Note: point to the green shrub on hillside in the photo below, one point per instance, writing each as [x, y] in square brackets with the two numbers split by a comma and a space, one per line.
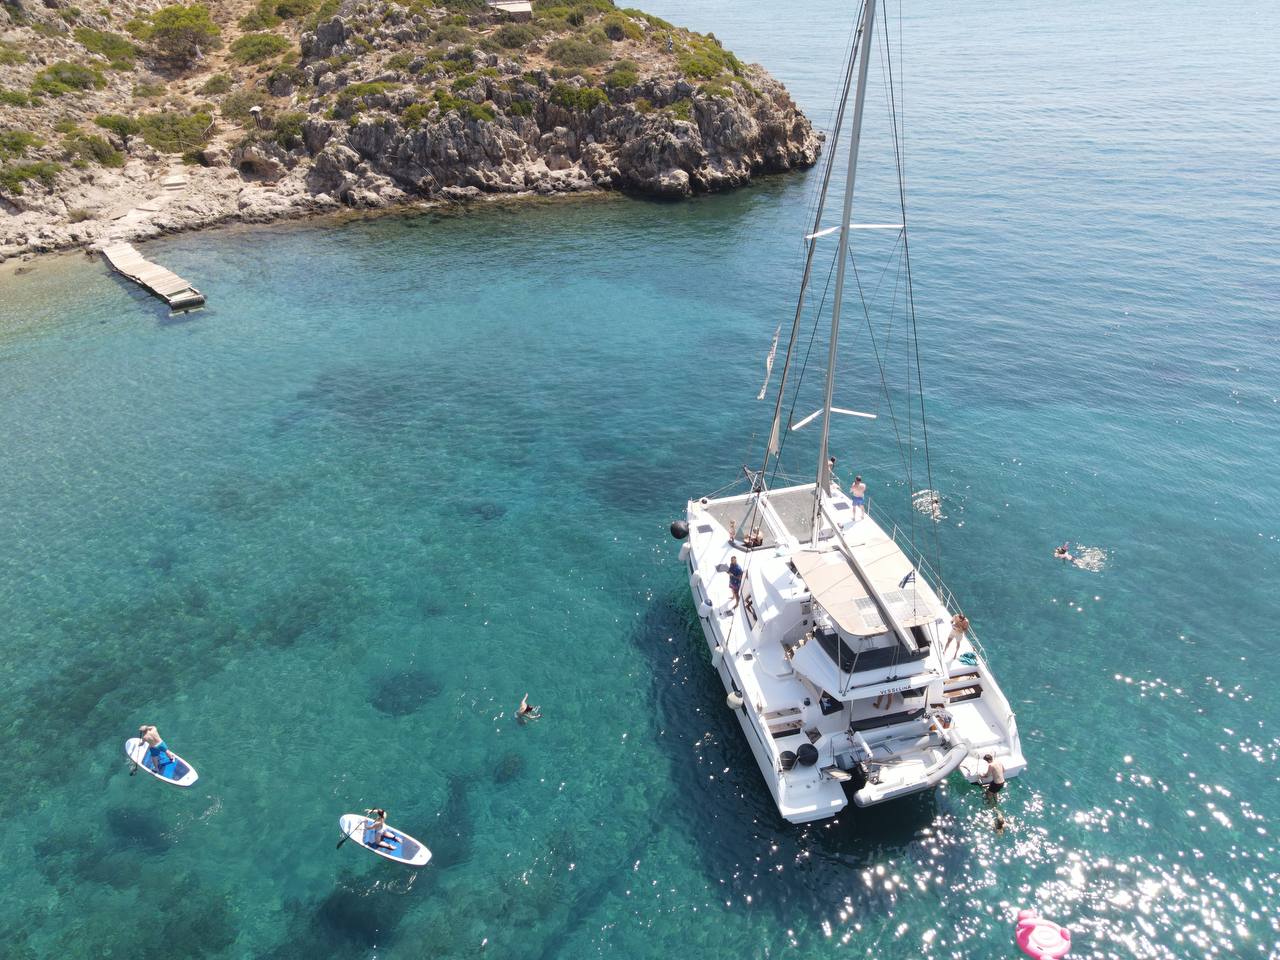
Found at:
[14, 176]
[367, 89]
[521, 108]
[93, 148]
[572, 52]
[513, 36]
[172, 132]
[218, 83]
[236, 105]
[619, 27]
[623, 74]
[122, 127]
[139, 28]
[323, 12]
[656, 22]
[286, 129]
[705, 59]
[261, 17]
[451, 33]
[293, 9]
[145, 89]
[61, 78]
[13, 98]
[119, 51]
[584, 99]
[682, 109]
[256, 47]
[16, 143]
[414, 114]
[11, 54]
[474, 111]
[181, 34]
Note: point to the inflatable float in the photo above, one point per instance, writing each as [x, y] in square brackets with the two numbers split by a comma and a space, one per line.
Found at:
[1041, 938]
[405, 850]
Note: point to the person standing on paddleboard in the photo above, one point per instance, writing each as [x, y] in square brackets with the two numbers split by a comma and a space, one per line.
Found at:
[157, 752]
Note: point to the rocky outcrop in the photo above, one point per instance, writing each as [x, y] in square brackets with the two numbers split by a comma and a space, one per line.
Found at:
[724, 143]
[381, 110]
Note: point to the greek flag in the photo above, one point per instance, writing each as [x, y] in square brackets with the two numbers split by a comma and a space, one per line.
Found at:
[909, 578]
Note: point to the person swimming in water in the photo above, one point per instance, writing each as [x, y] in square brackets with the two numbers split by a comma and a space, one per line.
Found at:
[157, 756]
[527, 712]
[1064, 552]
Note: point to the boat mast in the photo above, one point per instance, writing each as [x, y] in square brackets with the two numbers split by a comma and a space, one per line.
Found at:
[842, 257]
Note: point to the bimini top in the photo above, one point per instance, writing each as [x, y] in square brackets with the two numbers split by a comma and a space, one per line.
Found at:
[838, 589]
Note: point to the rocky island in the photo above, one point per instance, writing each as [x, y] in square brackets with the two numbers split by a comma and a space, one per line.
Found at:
[127, 120]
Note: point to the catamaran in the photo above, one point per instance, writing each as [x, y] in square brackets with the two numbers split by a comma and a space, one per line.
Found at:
[839, 648]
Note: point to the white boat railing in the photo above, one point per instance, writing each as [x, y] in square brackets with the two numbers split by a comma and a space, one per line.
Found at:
[923, 567]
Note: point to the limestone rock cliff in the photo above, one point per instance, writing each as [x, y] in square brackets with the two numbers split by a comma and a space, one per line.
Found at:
[282, 107]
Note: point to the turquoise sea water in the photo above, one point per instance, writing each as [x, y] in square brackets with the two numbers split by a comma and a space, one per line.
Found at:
[326, 532]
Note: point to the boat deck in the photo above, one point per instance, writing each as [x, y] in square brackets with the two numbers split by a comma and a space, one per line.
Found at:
[791, 509]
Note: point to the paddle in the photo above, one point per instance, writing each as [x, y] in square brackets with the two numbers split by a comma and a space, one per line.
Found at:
[347, 836]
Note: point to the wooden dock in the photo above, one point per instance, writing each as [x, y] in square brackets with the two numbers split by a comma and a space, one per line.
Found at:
[165, 284]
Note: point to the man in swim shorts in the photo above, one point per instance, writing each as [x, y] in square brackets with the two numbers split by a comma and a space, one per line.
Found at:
[858, 493]
[735, 578]
[993, 779]
[158, 756]
[959, 627]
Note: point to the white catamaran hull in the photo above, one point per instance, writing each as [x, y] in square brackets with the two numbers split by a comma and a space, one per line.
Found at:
[837, 654]
[816, 727]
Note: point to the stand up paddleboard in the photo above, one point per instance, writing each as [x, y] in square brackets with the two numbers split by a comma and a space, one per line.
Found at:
[407, 850]
[177, 771]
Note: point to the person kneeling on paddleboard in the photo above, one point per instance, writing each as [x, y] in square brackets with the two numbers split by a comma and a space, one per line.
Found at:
[376, 833]
[157, 757]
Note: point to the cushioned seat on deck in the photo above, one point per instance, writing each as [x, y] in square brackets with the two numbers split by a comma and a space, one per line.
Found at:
[888, 720]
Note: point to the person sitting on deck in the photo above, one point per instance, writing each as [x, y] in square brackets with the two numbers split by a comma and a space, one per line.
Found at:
[735, 578]
[940, 719]
[527, 712]
[754, 539]
[158, 756]
[376, 832]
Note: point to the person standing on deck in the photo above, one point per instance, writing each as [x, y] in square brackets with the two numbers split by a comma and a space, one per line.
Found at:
[735, 578]
[959, 627]
[833, 482]
[858, 492]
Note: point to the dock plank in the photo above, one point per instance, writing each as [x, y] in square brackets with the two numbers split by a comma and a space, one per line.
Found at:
[157, 280]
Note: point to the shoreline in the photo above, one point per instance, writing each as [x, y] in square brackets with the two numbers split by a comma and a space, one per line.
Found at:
[20, 265]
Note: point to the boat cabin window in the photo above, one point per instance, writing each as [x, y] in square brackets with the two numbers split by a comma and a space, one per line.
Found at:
[855, 654]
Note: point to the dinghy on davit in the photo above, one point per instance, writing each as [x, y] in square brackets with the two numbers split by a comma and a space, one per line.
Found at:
[177, 771]
[407, 850]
